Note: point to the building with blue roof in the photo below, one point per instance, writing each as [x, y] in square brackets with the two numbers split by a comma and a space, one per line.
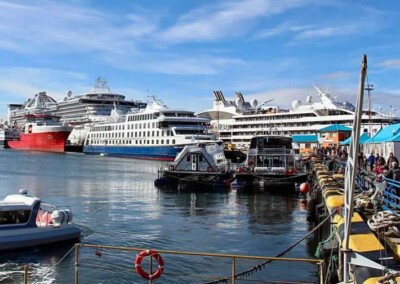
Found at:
[384, 142]
[333, 134]
[364, 137]
[305, 143]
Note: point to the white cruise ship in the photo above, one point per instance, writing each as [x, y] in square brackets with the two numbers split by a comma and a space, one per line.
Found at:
[156, 133]
[79, 111]
[236, 122]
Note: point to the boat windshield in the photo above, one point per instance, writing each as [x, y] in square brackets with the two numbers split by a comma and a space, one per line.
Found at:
[14, 217]
[272, 142]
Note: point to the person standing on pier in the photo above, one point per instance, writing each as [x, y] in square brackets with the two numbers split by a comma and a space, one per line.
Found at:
[393, 174]
[392, 159]
[371, 162]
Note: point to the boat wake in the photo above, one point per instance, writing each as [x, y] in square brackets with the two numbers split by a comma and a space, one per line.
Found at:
[14, 273]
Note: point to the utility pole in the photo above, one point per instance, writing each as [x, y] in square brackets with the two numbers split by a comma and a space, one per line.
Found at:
[369, 88]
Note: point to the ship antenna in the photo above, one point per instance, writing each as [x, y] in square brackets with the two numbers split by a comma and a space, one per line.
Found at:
[101, 85]
[369, 88]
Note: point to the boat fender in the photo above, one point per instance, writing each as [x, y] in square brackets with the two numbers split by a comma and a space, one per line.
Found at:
[171, 167]
[138, 264]
[60, 217]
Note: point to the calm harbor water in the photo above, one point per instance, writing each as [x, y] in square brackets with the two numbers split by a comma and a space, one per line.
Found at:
[115, 202]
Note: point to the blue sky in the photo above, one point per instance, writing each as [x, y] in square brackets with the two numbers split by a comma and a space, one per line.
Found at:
[180, 51]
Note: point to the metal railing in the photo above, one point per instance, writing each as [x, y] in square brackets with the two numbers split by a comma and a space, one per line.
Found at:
[232, 278]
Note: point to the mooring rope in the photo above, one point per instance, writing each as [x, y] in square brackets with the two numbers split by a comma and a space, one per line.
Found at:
[250, 271]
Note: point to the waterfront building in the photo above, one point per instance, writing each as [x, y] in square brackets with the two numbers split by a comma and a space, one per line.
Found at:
[333, 134]
[386, 141]
[305, 144]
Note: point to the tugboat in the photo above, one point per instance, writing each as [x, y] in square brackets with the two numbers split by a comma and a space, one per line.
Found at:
[270, 160]
[201, 166]
[42, 132]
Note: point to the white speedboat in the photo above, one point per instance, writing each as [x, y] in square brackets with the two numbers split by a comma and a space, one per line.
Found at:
[26, 222]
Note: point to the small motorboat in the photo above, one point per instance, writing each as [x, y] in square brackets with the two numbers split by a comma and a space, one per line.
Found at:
[26, 222]
[202, 166]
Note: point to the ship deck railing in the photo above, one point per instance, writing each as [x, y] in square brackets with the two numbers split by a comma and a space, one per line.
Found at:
[119, 261]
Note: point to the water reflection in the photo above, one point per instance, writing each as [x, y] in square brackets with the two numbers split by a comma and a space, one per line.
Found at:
[116, 203]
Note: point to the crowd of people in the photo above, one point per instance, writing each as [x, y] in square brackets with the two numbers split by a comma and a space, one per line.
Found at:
[377, 164]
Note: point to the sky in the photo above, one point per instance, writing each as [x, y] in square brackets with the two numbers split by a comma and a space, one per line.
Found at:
[181, 51]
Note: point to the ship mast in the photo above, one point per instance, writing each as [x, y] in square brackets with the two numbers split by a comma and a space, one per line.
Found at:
[351, 172]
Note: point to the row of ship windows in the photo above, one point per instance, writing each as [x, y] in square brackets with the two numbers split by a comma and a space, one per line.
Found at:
[277, 117]
[135, 142]
[265, 132]
[128, 126]
[132, 134]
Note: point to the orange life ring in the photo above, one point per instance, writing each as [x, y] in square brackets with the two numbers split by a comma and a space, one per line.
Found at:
[171, 167]
[138, 264]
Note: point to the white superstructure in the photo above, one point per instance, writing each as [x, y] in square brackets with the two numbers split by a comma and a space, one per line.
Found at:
[155, 132]
[238, 121]
[79, 111]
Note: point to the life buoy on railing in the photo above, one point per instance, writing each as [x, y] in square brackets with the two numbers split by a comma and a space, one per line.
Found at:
[171, 167]
[138, 264]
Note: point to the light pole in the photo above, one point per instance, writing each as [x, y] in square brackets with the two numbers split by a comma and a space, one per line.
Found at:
[369, 88]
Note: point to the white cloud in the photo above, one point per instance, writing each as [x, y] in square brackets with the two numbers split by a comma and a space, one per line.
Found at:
[227, 19]
[175, 65]
[390, 64]
[283, 28]
[338, 75]
[328, 32]
[57, 27]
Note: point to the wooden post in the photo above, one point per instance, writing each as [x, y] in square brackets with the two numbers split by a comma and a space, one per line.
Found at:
[25, 274]
[233, 270]
[76, 263]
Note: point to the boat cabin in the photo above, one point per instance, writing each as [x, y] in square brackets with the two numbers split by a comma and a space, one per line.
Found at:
[202, 157]
[271, 153]
[18, 210]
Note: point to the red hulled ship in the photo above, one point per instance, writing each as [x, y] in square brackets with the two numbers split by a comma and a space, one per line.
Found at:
[42, 132]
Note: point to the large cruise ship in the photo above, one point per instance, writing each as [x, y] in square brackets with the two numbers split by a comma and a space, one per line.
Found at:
[156, 133]
[237, 121]
[80, 111]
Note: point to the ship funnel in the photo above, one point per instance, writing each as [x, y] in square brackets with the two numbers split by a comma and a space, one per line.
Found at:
[217, 97]
[239, 96]
[222, 96]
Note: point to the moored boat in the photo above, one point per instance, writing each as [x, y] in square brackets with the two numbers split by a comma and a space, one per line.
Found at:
[26, 222]
[42, 132]
[270, 160]
[201, 166]
[7, 134]
[154, 133]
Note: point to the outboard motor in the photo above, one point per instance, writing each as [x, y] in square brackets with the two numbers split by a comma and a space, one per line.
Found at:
[60, 217]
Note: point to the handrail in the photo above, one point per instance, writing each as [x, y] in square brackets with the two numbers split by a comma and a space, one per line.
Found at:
[233, 257]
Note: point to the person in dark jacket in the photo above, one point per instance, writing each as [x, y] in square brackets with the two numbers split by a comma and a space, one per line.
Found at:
[371, 162]
[392, 159]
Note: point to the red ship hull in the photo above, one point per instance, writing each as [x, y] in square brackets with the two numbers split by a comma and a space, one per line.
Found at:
[44, 141]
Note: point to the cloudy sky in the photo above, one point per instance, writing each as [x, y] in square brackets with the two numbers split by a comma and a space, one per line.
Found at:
[180, 51]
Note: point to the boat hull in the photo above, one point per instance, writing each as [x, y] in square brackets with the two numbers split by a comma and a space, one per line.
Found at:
[35, 236]
[161, 153]
[44, 141]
